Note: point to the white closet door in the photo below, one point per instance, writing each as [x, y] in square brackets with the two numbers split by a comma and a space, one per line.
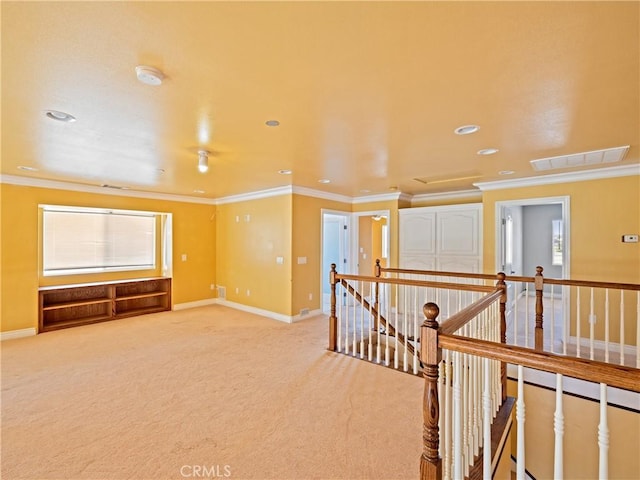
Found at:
[417, 232]
[458, 232]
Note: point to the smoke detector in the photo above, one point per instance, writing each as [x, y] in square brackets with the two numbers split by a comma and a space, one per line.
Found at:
[149, 75]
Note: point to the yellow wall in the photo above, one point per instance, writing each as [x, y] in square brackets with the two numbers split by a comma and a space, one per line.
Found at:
[307, 242]
[193, 234]
[581, 419]
[250, 236]
[601, 211]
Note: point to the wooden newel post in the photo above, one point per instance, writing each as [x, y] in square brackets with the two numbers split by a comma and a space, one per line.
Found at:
[430, 462]
[377, 294]
[333, 320]
[503, 330]
[539, 284]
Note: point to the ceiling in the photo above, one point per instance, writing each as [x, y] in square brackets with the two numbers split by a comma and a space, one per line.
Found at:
[368, 94]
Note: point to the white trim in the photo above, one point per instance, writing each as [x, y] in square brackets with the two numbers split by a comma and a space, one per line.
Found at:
[601, 345]
[197, 303]
[383, 197]
[257, 311]
[590, 390]
[79, 187]
[244, 197]
[593, 174]
[12, 334]
[446, 196]
[309, 192]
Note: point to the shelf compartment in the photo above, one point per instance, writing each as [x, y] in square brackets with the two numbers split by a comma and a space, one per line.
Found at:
[76, 303]
[140, 295]
[76, 322]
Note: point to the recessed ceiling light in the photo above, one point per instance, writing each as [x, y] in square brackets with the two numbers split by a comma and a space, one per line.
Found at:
[364, 190]
[272, 123]
[324, 180]
[27, 169]
[466, 129]
[160, 170]
[60, 116]
[285, 172]
[488, 151]
[198, 191]
[393, 187]
[506, 172]
[149, 75]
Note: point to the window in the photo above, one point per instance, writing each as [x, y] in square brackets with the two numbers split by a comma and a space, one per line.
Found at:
[556, 242]
[87, 240]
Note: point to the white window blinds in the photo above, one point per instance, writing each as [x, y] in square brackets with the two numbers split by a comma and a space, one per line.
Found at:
[94, 240]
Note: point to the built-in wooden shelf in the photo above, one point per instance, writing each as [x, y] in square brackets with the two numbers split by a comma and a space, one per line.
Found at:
[67, 306]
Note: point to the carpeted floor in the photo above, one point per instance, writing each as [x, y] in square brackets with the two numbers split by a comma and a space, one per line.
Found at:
[203, 393]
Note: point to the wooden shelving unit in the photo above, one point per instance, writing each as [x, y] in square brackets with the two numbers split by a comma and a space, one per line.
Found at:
[72, 305]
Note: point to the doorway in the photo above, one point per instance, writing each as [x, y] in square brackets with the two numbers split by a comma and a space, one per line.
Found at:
[335, 249]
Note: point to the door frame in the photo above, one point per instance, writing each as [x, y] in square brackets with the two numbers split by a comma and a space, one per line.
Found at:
[564, 201]
[355, 233]
[346, 251]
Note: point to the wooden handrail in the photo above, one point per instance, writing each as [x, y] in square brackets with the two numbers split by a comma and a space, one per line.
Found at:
[437, 273]
[417, 283]
[588, 283]
[627, 378]
[460, 319]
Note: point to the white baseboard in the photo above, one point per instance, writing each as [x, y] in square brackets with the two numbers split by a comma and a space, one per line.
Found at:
[600, 345]
[11, 334]
[258, 311]
[197, 303]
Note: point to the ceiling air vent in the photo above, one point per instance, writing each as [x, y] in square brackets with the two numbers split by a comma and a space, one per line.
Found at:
[595, 157]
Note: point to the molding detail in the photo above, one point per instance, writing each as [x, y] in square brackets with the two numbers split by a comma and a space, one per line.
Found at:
[383, 197]
[12, 334]
[243, 197]
[197, 303]
[79, 187]
[310, 192]
[257, 311]
[584, 175]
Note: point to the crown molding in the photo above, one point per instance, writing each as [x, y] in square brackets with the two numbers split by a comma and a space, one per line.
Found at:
[310, 192]
[446, 195]
[244, 197]
[383, 197]
[568, 177]
[79, 187]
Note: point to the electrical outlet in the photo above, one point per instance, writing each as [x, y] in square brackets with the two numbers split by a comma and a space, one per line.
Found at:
[279, 260]
[212, 286]
[592, 319]
[184, 257]
[311, 296]
[237, 290]
[630, 238]
[248, 293]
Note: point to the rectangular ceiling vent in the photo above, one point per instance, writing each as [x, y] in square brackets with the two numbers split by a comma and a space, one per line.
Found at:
[595, 157]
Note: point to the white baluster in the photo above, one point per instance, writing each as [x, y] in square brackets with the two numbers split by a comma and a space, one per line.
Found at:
[638, 330]
[520, 418]
[606, 325]
[395, 352]
[457, 417]
[486, 422]
[558, 428]
[415, 330]
[380, 309]
[362, 320]
[405, 357]
[346, 320]
[386, 330]
[339, 302]
[621, 327]
[578, 322]
[603, 436]
[370, 346]
[526, 316]
[592, 326]
[553, 322]
[566, 299]
[354, 352]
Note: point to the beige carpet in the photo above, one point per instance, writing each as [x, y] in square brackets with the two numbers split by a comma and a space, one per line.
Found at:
[203, 393]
